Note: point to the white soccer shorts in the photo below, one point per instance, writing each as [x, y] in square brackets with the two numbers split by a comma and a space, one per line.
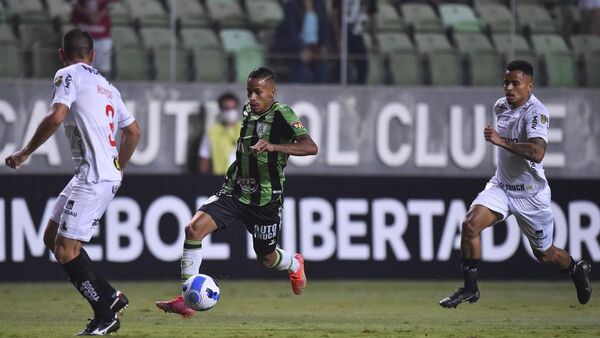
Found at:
[80, 206]
[533, 214]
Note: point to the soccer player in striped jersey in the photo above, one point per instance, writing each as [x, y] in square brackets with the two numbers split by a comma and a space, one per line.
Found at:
[92, 112]
[252, 193]
[518, 188]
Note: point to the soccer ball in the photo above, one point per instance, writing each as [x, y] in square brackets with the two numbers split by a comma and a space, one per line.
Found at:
[200, 292]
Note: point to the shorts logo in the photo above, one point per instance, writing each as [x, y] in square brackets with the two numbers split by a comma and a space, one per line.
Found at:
[266, 232]
[539, 234]
[115, 188]
[69, 208]
[95, 222]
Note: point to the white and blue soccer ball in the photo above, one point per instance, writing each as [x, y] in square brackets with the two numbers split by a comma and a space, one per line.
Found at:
[200, 292]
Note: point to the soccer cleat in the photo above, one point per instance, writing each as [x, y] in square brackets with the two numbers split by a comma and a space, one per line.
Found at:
[176, 305]
[581, 278]
[459, 296]
[298, 278]
[96, 327]
[119, 304]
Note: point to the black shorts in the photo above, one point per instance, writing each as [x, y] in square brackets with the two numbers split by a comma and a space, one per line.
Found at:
[263, 222]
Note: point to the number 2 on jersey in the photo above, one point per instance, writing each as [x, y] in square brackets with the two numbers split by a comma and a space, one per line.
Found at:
[110, 113]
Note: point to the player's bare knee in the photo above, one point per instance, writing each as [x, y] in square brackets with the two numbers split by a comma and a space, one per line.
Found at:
[469, 229]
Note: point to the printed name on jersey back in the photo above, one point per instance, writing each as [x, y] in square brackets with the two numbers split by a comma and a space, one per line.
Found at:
[104, 91]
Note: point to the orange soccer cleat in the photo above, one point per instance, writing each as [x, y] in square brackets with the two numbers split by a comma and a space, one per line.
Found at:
[298, 278]
[176, 305]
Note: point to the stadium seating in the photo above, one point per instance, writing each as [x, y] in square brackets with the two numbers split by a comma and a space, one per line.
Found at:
[459, 18]
[521, 50]
[199, 37]
[405, 63]
[388, 18]
[242, 44]
[495, 17]
[158, 41]
[587, 50]
[190, 13]
[45, 61]
[12, 55]
[484, 65]
[28, 11]
[559, 67]
[227, 13]
[148, 13]
[120, 14]
[264, 14]
[59, 10]
[130, 59]
[210, 65]
[421, 17]
[535, 18]
[444, 61]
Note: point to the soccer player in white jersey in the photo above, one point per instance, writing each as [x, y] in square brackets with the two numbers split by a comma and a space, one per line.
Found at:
[518, 188]
[92, 112]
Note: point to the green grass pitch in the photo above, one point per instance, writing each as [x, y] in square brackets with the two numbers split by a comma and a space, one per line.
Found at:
[327, 309]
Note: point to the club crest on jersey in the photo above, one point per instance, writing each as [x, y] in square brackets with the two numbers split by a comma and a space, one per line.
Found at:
[58, 81]
[297, 125]
[543, 119]
[260, 128]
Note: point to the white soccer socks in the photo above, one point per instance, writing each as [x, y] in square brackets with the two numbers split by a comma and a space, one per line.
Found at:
[191, 259]
[285, 261]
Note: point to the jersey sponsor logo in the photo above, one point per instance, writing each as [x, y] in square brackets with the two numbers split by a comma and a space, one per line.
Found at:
[69, 209]
[543, 119]
[517, 187]
[69, 204]
[534, 123]
[265, 232]
[297, 125]
[104, 91]
[248, 184]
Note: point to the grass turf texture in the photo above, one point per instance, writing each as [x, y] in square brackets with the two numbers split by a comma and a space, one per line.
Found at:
[327, 309]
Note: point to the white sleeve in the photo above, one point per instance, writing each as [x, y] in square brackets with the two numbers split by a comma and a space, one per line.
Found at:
[204, 150]
[537, 123]
[66, 85]
[124, 117]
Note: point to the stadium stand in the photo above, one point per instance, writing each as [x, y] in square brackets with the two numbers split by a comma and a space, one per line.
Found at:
[421, 17]
[587, 50]
[559, 66]
[460, 42]
[443, 60]
[483, 64]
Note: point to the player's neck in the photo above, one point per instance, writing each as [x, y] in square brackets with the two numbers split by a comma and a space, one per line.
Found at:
[76, 61]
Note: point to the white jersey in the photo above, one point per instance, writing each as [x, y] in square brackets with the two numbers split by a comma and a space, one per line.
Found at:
[518, 176]
[96, 113]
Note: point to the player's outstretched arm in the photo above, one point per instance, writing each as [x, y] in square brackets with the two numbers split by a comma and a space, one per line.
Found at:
[303, 146]
[129, 140]
[45, 129]
[533, 150]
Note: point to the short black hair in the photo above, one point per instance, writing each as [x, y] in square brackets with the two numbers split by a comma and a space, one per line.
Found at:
[226, 97]
[520, 65]
[77, 44]
[261, 73]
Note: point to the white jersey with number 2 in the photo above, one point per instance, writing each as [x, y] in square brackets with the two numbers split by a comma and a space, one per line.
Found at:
[517, 176]
[96, 113]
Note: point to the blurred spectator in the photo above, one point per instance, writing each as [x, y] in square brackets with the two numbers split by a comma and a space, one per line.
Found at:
[304, 35]
[217, 148]
[93, 17]
[590, 16]
[357, 11]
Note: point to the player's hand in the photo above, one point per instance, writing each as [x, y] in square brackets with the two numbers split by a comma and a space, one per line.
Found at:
[261, 146]
[16, 159]
[491, 135]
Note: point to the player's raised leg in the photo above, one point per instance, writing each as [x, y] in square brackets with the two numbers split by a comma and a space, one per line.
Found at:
[579, 271]
[199, 227]
[477, 219]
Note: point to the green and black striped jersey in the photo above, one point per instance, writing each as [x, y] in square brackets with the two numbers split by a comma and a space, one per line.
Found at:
[258, 179]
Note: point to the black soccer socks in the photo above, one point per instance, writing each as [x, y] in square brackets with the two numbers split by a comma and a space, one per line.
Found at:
[469, 268]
